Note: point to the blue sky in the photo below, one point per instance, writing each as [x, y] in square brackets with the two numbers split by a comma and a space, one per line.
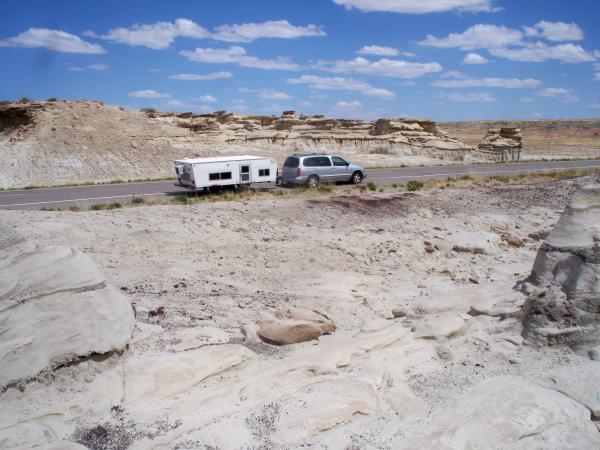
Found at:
[442, 59]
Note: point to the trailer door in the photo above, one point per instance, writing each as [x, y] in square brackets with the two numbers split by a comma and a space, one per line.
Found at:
[245, 174]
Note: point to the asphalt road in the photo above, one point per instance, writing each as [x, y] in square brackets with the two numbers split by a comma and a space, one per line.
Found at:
[84, 196]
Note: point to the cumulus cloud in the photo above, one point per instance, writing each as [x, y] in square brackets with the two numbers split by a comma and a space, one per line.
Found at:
[237, 55]
[207, 99]
[474, 58]
[556, 31]
[377, 50]
[147, 93]
[469, 97]
[540, 51]
[248, 32]
[506, 83]
[156, 36]
[513, 44]
[477, 36]
[197, 77]
[342, 84]
[559, 93]
[59, 41]
[418, 7]
[383, 67]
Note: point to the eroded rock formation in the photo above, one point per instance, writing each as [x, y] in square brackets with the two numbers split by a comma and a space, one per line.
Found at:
[565, 307]
[501, 145]
[55, 306]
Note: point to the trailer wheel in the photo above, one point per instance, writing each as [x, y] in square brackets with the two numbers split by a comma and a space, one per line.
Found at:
[313, 182]
[356, 177]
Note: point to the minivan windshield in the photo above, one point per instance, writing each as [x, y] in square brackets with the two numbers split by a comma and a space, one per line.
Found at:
[291, 162]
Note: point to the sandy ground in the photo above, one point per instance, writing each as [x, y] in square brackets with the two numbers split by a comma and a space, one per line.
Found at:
[197, 274]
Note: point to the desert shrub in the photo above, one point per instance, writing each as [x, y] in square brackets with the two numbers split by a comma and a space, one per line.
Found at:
[52, 99]
[138, 200]
[74, 208]
[5, 102]
[324, 189]
[150, 112]
[113, 205]
[395, 185]
[24, 100]
[467, 178]
[414, 185]
[181, 198]
[97, 207]
[371, 186]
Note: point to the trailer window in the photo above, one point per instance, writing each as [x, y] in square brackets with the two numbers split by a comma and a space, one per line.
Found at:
[264, 172]
[292, 162]
[219, 176]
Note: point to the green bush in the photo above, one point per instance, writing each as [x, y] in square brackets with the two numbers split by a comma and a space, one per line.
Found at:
[138, 200]
[181, 198]
[371, 186]
[97, 207]
[414, 185]
[52, 99]
[24, 100]
[114, 205]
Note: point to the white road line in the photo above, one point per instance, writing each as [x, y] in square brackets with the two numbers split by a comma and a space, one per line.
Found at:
[494, 172]
[83, 199]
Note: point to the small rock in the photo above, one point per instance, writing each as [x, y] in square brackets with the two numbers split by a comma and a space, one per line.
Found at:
[428, 246]
[444, 352]
[513, 241]
[399, 311]
[539, 235]
[594, 354]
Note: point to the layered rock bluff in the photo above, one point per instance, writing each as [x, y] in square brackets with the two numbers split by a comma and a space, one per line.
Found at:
[56, 142]
[566, 305]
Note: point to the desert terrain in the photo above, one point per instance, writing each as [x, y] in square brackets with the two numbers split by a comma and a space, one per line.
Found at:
[542, 139]
[415, 306]
[49, 143]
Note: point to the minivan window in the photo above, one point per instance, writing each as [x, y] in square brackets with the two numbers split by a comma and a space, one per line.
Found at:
[337, 161]
[291, 162]
[317, 161]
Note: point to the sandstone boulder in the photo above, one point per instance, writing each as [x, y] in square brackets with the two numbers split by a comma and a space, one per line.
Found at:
[502, 144]
[566, 272]
[508, 412]
[294, 325]
[55, 306]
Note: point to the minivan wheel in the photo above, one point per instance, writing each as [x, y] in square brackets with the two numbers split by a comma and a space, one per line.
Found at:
[356, 178]
[313, 182]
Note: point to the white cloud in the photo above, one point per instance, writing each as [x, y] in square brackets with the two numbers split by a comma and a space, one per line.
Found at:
[352, 104]
[506, 83]
[382, 67]
[418, 6]
[377, 50]
[98, 67]
[56, 40]
[558, 31]
[247, 32]
[147, 93]
[342, 84]
[196, 77]
[474, 58]
[207, 99]
[237, 55]
[470, 97]
[273, 95]
[540, 51]
[560, 93]
[477, 36]
[157, 36]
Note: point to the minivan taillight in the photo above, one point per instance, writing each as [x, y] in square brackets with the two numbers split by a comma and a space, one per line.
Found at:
[298, 172]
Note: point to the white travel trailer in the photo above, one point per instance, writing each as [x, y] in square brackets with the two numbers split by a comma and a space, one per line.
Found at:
[203, 173]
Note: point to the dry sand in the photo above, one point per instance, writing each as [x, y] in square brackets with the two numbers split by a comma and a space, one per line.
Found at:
[197, 274]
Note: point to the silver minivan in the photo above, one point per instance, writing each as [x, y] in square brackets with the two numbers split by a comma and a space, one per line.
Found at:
[316, 168]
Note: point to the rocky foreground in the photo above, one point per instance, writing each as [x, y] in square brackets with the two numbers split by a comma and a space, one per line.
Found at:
[378, 321]
[59, 142]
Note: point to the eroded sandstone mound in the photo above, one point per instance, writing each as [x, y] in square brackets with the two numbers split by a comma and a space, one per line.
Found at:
[55, 306]
[502, 144]
[566, 306]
